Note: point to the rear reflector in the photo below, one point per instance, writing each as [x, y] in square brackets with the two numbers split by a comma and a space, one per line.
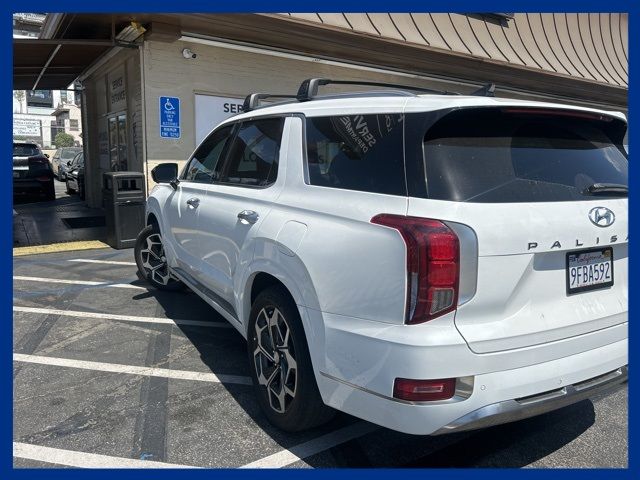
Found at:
[424, 390]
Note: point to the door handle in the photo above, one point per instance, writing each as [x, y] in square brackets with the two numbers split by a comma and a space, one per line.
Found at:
[193, 202]
[248, 216]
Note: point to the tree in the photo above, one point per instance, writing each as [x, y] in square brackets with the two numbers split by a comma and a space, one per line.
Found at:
[63, 140]
[19, 96]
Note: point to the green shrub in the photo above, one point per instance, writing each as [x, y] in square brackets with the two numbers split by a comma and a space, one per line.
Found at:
[63, 140]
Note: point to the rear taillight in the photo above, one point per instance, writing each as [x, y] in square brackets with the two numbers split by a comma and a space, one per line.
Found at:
[424, 390]
[433, 265]
[43, 179]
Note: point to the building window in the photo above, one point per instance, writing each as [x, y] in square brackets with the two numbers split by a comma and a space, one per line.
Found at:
[39, 98]
[73, 125]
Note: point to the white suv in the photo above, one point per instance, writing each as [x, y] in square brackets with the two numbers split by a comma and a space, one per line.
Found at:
[430, 263]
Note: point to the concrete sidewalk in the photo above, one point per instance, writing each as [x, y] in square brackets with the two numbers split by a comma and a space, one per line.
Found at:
[43, 223]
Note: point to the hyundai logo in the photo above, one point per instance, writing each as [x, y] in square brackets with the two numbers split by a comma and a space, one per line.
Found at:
[601, 217]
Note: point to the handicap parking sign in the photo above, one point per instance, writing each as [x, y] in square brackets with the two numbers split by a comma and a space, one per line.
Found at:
[170, 117]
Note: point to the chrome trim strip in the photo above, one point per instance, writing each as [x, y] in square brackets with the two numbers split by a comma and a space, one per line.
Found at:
[464, 388]
[518, 409]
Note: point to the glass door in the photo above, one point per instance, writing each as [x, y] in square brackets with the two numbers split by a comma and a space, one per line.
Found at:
[118, 153]
[113, 143]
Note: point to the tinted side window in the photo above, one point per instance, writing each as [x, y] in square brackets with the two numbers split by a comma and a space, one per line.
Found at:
[202, 166]
[357, 152]
[253, 156]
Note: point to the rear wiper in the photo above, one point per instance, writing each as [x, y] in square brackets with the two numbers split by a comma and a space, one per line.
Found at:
[607, 188]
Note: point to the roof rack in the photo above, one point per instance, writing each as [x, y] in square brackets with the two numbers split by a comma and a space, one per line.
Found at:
[252, 101]
[487, 90]
[309, 88]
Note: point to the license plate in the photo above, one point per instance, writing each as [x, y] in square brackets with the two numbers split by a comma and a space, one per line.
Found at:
[589, 269]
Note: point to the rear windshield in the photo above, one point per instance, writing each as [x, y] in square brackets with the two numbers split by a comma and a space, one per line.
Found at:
[69, 153]
[25, 150]
[511, 155]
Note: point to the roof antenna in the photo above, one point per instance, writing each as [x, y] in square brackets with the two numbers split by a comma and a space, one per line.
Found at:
[487, 90]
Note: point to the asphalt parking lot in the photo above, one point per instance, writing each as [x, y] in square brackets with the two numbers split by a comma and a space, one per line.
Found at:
[108, 372]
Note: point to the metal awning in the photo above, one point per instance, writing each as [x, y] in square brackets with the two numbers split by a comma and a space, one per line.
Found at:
[52, 64]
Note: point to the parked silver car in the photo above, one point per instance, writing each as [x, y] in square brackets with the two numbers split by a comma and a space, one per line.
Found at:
[60, 159]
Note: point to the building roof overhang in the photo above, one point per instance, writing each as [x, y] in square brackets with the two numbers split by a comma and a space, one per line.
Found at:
[52, 64]
[75, 41]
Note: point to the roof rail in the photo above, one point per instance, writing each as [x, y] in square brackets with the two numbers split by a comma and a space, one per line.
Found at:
[252, 101]
[309, 88]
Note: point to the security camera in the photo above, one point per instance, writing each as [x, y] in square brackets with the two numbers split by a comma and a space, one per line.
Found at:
[186, 53]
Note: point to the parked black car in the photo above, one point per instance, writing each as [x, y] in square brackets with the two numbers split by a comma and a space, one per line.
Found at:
[32, 172]
[75, 175]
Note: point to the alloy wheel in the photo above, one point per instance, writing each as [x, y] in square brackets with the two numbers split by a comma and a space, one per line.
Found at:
[274, 358]
[154, 260]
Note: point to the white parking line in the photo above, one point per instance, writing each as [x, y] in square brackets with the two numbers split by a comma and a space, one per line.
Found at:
[72, 458]
[77, 282]
[123, 318]
[298, 452]
[132, 369]
[109, 262]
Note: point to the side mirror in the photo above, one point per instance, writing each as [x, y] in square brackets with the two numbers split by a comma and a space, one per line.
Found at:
[69, 163]
[165, 173]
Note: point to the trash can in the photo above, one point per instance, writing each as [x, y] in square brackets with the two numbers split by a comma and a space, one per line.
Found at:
[124, 204]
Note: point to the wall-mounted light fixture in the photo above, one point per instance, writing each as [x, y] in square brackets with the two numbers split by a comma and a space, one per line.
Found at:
[187, 53]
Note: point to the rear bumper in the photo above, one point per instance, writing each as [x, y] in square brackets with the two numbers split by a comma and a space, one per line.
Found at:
[357, 362]
[519, 409]
[31, 187]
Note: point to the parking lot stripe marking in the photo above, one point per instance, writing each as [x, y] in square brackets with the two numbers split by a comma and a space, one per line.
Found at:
[123, 318]
[59, 247]
[109, 262]
[77, 282]
[73, 458]
[132, 369]
[291, 455]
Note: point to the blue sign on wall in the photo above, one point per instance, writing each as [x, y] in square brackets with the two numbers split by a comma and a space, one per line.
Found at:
[170, 117]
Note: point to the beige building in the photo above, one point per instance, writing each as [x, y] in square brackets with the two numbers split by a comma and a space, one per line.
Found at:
[39, 115]
[210, 62]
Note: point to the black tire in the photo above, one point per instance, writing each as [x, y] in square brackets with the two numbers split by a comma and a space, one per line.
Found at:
[50, 193]
[144, 260]
[69, 189]
[305, 409]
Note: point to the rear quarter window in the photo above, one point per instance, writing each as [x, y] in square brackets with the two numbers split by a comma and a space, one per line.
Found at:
[499, 156]
[357, 152]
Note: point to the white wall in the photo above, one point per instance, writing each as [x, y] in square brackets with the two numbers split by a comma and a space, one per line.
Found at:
[210, 110]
